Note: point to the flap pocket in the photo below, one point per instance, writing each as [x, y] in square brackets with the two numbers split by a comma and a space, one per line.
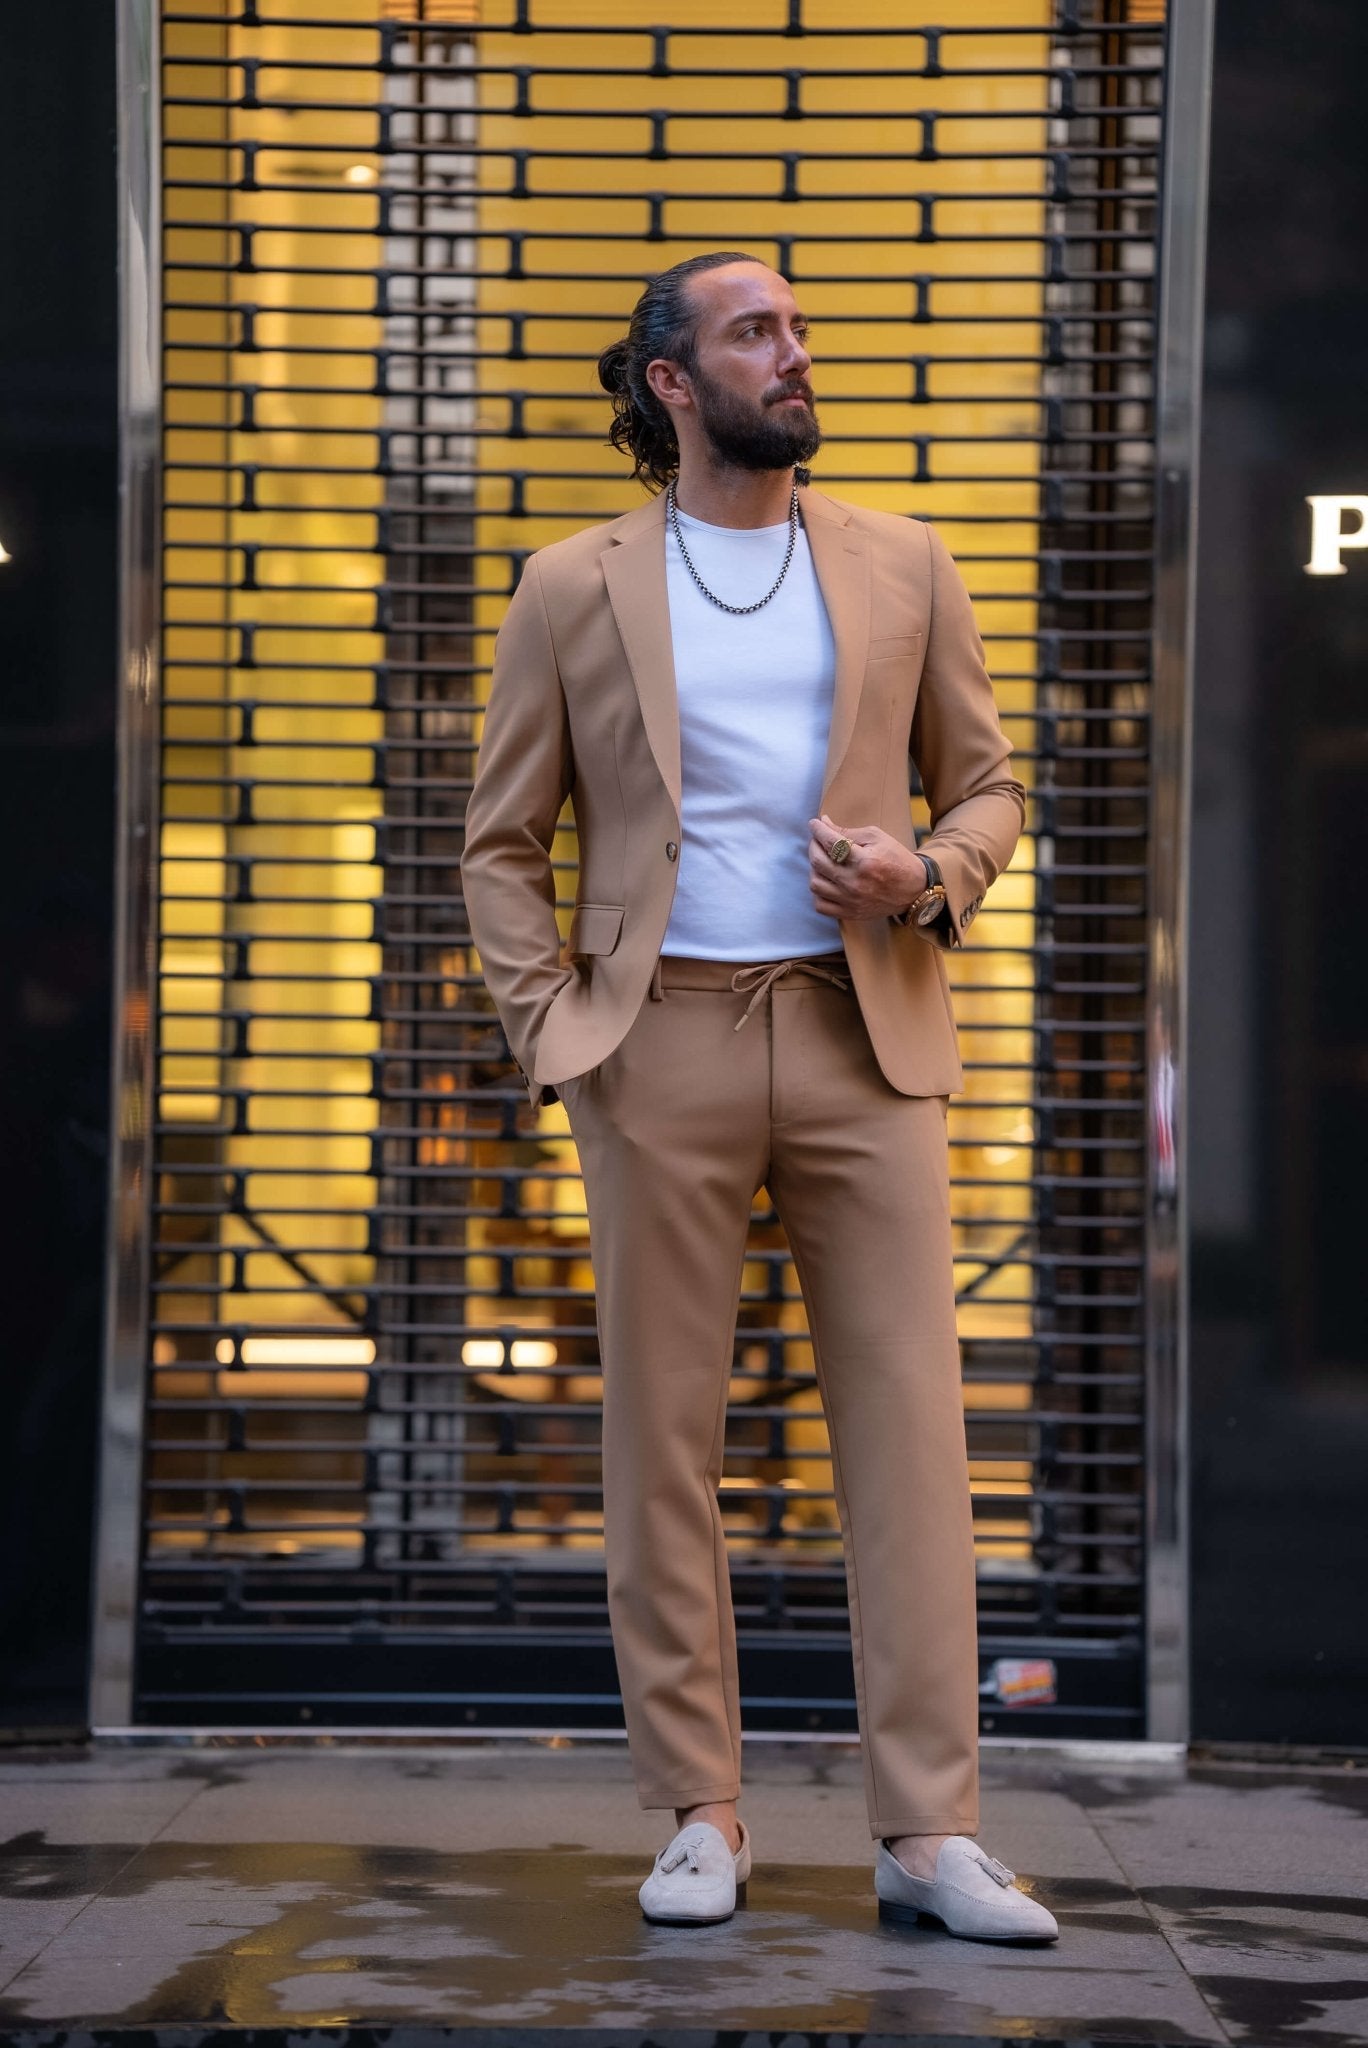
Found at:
[894, 643]
[594, 927]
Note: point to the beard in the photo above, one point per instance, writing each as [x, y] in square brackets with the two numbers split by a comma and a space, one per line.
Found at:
[765, 436]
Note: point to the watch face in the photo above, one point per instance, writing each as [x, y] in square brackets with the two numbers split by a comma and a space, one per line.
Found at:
[929, 912]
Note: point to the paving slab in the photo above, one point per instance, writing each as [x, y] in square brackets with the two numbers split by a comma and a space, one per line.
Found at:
[489, 1892]
[499, 1937]
[96, 1812]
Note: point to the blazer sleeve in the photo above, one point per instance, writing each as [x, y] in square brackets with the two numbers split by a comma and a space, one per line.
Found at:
[962, 755]
[522, 779]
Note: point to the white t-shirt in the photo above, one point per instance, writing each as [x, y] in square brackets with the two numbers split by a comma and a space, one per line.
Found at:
[754, 718]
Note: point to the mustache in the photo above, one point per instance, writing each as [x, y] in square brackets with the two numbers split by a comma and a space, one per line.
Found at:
[803, 391]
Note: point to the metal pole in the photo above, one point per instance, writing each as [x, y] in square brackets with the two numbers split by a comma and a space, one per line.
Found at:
[118, 1518]
[1182, 244]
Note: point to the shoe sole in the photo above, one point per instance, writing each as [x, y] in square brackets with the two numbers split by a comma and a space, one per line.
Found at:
[694, 1919]
[916, 1916]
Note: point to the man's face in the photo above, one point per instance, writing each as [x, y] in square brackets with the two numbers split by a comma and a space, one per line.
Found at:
[749, 381]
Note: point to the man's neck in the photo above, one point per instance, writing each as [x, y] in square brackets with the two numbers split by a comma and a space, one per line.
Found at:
[734, 497]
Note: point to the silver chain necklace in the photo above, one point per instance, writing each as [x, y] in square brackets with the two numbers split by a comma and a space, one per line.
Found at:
[737, 609]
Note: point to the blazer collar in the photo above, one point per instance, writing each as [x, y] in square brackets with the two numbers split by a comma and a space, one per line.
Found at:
[840, 556]
[634, 571]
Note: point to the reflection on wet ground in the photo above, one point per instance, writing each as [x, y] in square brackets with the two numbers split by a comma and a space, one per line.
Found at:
[493, 1887]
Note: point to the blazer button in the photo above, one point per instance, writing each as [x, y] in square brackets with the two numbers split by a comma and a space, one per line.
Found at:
[671, 850]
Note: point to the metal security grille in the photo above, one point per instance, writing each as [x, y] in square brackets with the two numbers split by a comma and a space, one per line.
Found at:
[394, 243]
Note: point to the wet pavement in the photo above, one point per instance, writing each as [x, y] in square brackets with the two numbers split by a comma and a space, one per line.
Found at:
[490, 1888]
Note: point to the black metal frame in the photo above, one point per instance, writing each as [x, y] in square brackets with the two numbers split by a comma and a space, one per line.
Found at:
[429, 1634]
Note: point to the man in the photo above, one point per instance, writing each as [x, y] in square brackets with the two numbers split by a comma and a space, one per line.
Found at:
[727, 683]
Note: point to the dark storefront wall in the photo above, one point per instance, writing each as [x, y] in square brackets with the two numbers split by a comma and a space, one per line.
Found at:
[1275, 1100]
[58, 523]
[1278, 1068]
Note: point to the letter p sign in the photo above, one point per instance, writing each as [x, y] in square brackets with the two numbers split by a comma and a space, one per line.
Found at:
[1330, 536]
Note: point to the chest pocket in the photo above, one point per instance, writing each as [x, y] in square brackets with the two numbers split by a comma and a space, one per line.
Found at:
[892, 670]
[894, 647]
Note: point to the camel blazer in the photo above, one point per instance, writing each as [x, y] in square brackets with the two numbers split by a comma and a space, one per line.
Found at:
[583, 705]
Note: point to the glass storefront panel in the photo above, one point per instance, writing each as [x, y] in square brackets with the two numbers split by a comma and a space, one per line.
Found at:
[394, 244]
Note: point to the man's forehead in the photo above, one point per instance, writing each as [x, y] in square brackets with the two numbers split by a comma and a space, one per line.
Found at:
[743, 288]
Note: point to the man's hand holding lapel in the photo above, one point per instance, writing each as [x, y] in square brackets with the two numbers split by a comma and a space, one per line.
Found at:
[880, 878]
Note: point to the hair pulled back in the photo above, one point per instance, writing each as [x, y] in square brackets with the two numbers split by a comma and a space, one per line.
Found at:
[663, 323]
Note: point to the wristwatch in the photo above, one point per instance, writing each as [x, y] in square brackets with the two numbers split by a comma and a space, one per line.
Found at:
[926, 907]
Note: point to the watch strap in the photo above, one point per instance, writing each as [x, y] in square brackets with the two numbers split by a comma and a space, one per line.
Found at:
[934, 880]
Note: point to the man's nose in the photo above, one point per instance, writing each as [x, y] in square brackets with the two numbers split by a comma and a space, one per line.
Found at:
[794, 360]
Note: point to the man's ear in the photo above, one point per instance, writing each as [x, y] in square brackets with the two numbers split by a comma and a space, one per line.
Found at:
[670, 384]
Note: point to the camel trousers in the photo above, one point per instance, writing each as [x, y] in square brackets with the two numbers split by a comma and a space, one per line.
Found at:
[729, 1079]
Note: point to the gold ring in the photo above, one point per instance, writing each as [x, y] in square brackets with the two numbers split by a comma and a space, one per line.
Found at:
[839, 850]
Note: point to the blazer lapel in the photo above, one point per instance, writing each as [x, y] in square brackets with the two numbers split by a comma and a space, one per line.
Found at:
[634, 571]
[840, 557]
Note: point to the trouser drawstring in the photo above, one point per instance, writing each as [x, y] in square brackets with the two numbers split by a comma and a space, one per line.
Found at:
[769, 975]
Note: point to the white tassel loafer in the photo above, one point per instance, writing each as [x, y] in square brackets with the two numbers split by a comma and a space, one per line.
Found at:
[696, 1877]
[971, 1894]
